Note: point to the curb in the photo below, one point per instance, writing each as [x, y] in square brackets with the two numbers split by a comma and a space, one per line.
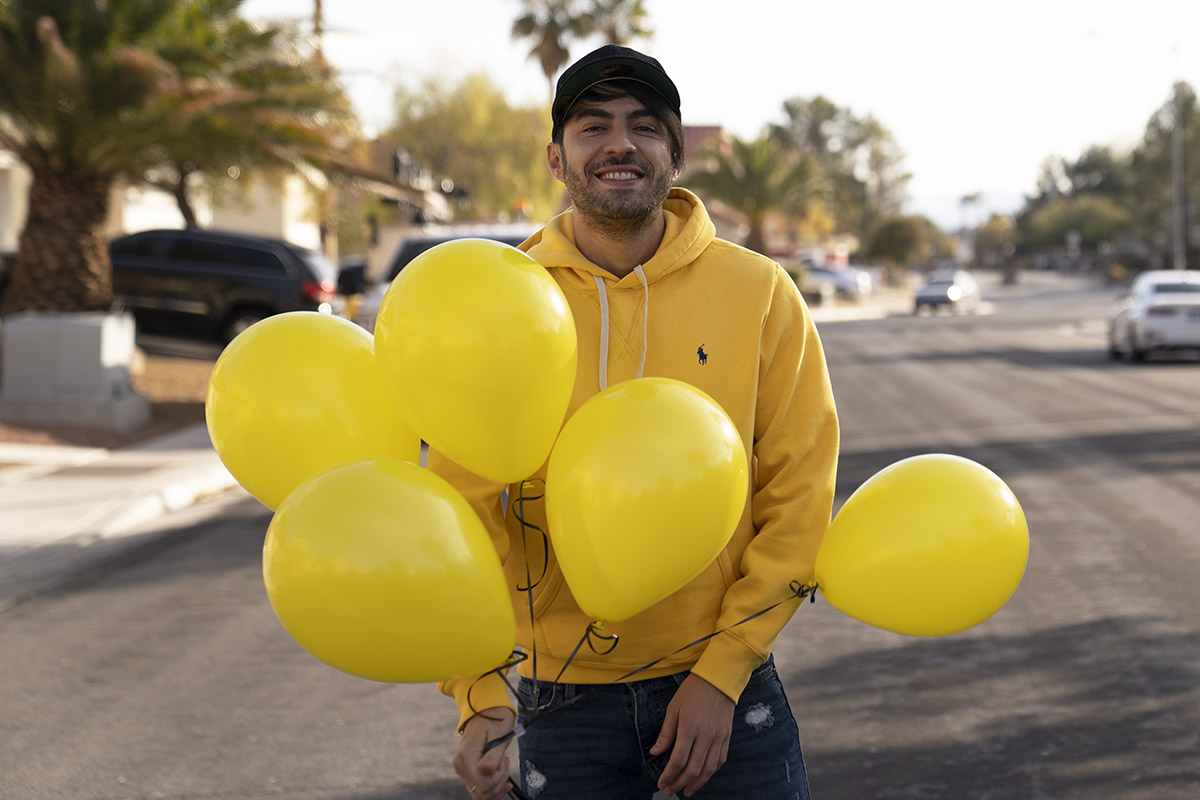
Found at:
[176, 496]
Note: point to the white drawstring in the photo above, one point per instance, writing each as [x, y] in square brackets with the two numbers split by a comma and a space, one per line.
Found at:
[603, 332]
[645, 318]
[603, 292]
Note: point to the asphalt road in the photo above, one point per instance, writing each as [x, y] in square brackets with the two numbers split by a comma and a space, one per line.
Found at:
[164, 674]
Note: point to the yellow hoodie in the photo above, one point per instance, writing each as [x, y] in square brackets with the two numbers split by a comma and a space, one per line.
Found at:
[731, 323]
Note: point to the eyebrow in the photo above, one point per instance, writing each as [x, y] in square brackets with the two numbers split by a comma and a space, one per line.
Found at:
[598, 112]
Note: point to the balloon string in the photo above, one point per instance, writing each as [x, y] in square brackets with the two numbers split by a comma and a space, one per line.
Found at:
[588, 633]
[516, 657]
[529, 582]
[799, 591]
[520, 514]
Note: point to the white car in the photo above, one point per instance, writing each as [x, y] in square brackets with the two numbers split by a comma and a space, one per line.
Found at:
[414, 246]
[1160, 312]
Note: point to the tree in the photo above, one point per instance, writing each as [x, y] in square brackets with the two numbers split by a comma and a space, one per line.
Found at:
[551, 25]
[469, 135]
[1132, 191]
[96, 92]
[860, 162]
[1097, 219]
[282, 108]
[756, 177]
[1151, 199]
[1098, 170]
[621, 21]
[995, 240]
[85, 99]
[907, 240]
[971, 200]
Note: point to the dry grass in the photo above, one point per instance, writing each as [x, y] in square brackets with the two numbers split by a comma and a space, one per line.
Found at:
[174, 386]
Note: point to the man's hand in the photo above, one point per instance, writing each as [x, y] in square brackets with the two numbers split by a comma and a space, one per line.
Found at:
[485, 774]
[698, 723]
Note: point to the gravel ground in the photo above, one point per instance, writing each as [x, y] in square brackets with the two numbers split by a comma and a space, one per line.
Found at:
[175, 387]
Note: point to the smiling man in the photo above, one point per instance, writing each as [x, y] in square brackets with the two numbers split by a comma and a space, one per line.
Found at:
[654, 293]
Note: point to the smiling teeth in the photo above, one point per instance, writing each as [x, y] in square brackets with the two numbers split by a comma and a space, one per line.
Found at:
[620, 176]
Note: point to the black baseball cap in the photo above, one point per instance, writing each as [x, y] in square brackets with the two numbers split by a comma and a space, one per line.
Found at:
[610, 63]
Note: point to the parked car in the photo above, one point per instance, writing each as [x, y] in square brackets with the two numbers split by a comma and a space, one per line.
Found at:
[351, 283]
[213, 284]
[849, 283]
[414, 246]
[6, 262]
[1160, 312]
[956, 290]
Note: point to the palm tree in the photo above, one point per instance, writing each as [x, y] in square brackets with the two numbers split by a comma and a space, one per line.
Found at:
[84, 100]
[621, 21]
[141, 90]
[551, 24]
[756, 177]
[282, 110]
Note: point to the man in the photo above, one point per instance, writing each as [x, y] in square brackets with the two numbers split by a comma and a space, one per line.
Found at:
[653, 292]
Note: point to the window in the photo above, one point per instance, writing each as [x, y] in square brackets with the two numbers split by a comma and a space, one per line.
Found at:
[149, 246]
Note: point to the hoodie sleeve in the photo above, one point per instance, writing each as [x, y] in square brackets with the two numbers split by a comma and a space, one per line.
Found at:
[795, 454]
[473, 691]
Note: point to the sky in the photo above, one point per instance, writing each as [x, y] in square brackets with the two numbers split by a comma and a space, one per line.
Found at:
[977, 93]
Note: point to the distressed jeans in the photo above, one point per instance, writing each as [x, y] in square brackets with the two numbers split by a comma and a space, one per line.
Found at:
[598, 747]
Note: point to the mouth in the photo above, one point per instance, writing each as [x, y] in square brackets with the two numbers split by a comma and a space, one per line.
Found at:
[618, 175]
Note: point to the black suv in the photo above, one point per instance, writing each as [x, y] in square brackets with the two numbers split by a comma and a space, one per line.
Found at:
[212, 284]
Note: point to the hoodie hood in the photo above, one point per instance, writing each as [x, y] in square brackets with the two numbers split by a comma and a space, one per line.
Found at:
[689, 231]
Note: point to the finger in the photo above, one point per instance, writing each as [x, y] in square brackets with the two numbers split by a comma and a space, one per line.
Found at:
[681, 755]
[711, 763]
[490, 785]
[666, 736]
[490, 759]
[494, 792]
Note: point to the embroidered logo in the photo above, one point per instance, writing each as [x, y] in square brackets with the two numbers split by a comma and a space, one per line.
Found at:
[702, 355]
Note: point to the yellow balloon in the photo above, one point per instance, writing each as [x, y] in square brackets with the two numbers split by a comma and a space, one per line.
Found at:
[645, 486]
[930, 545]
[477, 347]
[382, 570]
[296, 395]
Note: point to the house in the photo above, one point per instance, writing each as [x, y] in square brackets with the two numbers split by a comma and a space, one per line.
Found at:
[287, 208]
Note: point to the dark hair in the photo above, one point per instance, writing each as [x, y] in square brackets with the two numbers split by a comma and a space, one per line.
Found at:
[644, 94]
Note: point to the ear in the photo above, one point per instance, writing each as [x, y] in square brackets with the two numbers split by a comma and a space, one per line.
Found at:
[554, 159]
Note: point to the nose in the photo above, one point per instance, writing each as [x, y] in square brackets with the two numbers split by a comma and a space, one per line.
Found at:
[620, 141]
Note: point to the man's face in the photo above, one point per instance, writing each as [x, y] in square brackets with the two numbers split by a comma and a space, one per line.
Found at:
[615, 160]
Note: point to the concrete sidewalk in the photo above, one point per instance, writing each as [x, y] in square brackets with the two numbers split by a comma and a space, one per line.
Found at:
[64, 507]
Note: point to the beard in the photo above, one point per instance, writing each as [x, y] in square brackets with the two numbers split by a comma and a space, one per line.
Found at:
[618, 213]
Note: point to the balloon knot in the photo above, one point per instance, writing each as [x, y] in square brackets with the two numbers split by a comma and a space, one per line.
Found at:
[803, 590]
[593, 633]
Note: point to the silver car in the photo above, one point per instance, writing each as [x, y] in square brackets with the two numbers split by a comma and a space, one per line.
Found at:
[956, 290]
[849, 283]
[1160, 312]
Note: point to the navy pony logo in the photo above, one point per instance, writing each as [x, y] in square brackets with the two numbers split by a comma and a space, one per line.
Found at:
[703, 355]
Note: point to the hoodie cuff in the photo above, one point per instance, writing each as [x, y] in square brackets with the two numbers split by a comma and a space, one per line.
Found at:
[726, 664]
[490, 691]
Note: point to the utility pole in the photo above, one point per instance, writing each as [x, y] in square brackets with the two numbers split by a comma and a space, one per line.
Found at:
[1179, 198]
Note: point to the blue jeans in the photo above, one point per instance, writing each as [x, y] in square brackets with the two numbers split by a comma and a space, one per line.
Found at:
[598, 747]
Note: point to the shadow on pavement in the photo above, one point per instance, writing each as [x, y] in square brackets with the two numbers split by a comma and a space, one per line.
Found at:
[1099, 709]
